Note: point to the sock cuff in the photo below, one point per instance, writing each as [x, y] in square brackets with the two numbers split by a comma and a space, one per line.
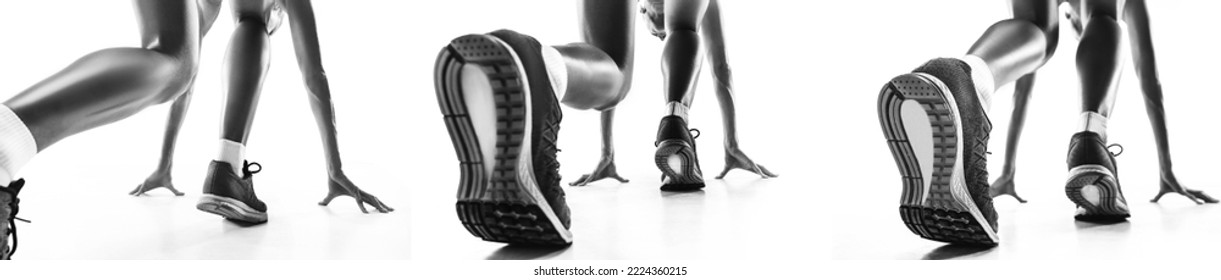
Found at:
[17, 146]
[981, 74]
[557, 70]
[675, 108]
[1093, 122]
[231, 151]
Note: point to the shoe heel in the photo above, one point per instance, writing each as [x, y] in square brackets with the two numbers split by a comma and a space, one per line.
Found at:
[1095, 182]
[689, 177]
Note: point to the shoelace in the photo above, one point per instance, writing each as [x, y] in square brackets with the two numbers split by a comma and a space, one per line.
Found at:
[12, 190]
[246, 169]
[697, 133]
[1116, 145]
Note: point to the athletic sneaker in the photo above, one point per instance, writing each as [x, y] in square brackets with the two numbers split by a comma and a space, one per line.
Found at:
[8, 210]
[503, 119]
[676, 157]
[938, 133]
[1093, 183]
[230, 196]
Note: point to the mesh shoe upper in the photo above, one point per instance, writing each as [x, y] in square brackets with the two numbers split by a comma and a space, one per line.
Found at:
[1088, 148]
[8, 211]
[976, 128]
[674, 127]
[221, 181]
[546, 115]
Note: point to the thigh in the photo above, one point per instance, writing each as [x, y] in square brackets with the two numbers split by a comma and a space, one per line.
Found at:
[169, 26]
[608, 25]
[684, 14]
[1043, 13]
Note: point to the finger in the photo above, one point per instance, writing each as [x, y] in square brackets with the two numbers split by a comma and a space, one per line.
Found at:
[175, 191]
[327, 201]
[1203, 196]
[1158, 197]
[768, 172]
[133, 192]
[580, 181]
[759, 171]
[361, 204]
[1191, 197]
[376, 203]
[382, 206]
[723, 172]
[621, 180]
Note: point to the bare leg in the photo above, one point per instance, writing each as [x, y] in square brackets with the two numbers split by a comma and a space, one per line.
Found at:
[1016, 47]
[161, 177]
[309, 59]
[606, 26]
[1098, 58]
[714, 39]
[1021, 95]
[246, 64]
[112, 84]
[1137, 18]
[682, 53]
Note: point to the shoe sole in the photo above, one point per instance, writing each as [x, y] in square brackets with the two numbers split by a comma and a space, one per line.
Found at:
[936, 203]
[1109, 207]
[230, 209]
[690, 178]
[506, 205]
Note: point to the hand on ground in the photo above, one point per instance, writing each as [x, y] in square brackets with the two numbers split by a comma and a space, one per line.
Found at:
[736, 159]
[605, 170]
[159, 179]
[1004, 186]
[341, 186]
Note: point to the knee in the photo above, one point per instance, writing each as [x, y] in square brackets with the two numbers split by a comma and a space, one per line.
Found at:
[180, 73]
[174, 71]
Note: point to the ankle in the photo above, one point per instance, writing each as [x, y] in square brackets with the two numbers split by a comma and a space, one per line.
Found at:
[1093, 122]
[232, 153]
[17, 144]
[983, 78]
[675, 108]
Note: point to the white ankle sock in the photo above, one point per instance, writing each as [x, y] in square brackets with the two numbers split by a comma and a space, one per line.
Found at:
[1093, 122]
[17, 145]
[675, 108]
[556, 70]
[982, 76]
[232, 153]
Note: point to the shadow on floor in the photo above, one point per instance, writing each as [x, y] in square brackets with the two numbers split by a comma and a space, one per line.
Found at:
[952, 251]
[520, 252]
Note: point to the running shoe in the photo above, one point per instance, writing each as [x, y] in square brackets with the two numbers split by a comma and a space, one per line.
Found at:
[503, 119]
[676, 157]
[938, 133]
[1093, 183]
[8, 210]
[230, 196]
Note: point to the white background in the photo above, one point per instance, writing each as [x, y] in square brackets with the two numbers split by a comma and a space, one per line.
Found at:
[906, 33]
[807, 75]
[379, 58]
